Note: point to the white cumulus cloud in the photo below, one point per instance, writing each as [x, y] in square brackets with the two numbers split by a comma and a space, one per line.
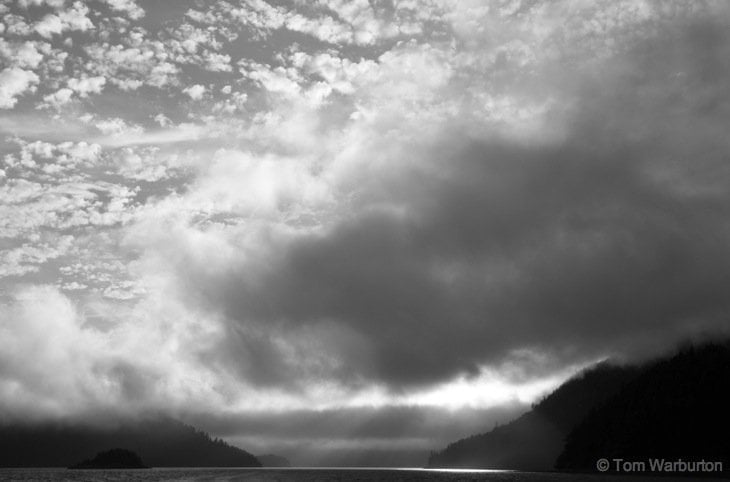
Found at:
[195, 92]
[14, 82]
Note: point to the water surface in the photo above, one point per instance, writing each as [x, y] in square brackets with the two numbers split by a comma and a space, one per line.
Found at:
[310, 475]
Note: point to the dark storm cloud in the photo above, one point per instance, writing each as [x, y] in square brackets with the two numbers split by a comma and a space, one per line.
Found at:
[614, 239]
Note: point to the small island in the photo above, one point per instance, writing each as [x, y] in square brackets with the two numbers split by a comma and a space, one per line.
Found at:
[112, 459]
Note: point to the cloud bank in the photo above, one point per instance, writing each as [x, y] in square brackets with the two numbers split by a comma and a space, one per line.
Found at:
[279, 208]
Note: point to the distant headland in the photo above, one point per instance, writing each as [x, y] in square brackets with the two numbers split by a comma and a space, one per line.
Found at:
[670, 408]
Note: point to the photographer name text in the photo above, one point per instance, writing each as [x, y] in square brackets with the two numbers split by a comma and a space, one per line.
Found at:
[658, 465]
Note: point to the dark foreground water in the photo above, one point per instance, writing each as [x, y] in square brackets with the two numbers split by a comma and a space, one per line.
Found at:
[311, 475]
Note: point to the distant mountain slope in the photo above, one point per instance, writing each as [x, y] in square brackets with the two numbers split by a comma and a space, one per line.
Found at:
[534, 440]
[678, 407]
[161, 442]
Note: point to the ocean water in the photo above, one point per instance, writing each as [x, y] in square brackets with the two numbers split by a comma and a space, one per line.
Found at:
[312, 475]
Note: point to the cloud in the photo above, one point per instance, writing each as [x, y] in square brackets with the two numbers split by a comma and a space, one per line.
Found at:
[83, 367]
[26, 55]
[121, 135]
[72, 19]
[195, 92]
[29, 206]
[130, 7]
[15, 25]
[377, 207]
[35, 126]
[131, 67]
[605, 239]
[87, 85]
[27, 258]
[335, 23]
[14, 82]
[59, 98]
[36, 3]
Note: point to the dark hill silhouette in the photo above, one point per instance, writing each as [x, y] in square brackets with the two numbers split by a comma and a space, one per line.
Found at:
[534, 440]
[112, 459]
[161, 442]
[676, 408]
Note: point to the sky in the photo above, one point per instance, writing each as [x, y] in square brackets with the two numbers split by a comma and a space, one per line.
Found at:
[334, 228]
